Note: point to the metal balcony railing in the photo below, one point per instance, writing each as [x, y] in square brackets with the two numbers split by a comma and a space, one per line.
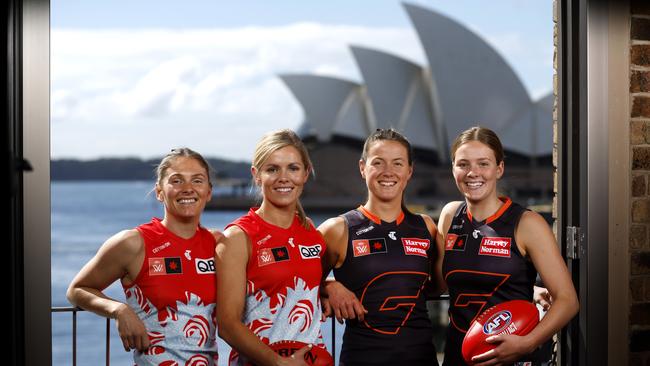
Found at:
[75, 310]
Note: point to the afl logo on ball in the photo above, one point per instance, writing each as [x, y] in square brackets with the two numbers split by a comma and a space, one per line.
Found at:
[310, 251]
[497, 322]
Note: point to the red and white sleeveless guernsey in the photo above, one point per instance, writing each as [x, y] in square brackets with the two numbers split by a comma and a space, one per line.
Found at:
[175, 295]
[283, 277]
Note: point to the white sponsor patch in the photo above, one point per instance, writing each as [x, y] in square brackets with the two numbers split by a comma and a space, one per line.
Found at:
[310, 251]
[204, 266]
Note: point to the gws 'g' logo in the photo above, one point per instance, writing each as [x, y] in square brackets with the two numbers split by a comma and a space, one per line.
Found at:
[310, 251]
[204, 266]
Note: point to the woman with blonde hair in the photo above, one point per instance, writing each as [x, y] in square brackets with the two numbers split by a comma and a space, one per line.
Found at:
[268, 264]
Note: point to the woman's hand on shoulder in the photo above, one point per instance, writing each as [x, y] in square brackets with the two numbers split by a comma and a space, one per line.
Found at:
[216, 234]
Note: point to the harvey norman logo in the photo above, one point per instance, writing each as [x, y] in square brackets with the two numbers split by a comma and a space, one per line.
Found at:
[495, 247]
[416, 246]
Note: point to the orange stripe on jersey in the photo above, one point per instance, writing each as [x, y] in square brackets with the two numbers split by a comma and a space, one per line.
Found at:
[506, 203]
[376, 219]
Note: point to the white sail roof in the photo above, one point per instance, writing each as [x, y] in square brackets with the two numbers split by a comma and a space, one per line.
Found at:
[399, 95]
[473, 84]
[331, 105]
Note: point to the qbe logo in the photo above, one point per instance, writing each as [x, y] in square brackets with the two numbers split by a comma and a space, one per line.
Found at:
[310, 251]
[204, 266]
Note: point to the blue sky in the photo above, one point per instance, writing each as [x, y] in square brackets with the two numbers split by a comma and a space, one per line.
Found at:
[135, 78]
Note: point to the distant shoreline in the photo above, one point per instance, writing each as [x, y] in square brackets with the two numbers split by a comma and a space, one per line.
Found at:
[133, 169]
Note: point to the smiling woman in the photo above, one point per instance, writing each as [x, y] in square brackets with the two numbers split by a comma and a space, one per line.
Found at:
[382, 254]
[167, 270]
[493, 249]
[268, 263]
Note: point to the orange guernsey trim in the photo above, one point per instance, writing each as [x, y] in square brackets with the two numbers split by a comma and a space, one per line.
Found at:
[376, 219]
[506, 203]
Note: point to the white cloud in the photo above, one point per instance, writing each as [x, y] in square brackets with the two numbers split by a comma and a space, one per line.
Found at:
[140, 92]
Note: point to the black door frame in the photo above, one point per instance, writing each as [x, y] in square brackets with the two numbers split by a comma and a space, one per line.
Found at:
[589, 106]
[27, 102]
[13, 164]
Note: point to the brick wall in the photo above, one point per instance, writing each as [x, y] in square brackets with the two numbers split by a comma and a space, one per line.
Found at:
[639, 312]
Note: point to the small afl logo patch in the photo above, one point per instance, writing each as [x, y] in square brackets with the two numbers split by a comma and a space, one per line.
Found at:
[310, 251]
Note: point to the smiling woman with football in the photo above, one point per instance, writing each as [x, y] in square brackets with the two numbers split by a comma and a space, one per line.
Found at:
[493, 249]
[167, 270]
[269, 264]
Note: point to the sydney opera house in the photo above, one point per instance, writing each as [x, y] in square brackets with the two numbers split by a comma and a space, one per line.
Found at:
[465, 83]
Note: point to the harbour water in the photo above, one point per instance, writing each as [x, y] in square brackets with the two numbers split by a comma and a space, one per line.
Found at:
[84, 215]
